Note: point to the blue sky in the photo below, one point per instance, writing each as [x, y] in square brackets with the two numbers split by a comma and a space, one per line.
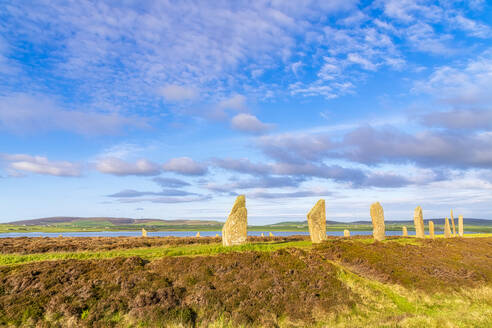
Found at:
[169, 109]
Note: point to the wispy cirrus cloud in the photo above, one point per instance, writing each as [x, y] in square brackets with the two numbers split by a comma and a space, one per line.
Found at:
[465, 84]
[28, 114]
[178, 93]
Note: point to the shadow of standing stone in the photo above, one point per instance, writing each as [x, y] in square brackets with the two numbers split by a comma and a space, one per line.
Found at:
[235, 229]
[317, 222]
[377, 216]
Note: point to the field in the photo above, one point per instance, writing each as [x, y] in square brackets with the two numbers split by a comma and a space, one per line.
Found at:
[268, 282]
[62, 224]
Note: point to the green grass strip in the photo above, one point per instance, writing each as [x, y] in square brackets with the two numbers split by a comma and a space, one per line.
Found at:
[150, 253]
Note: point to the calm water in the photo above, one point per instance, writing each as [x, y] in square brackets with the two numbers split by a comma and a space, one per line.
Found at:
[177, 233]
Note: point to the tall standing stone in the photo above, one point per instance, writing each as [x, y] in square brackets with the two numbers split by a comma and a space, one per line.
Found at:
[198, 234]
[447, 229]
[418, 221]
[317, 222]
[431, 230]
[235, 230]
[262, 234]
[377, 216]
[460, 226]
[144, 232]
[271, 234]
[405, 231]
[346, 233]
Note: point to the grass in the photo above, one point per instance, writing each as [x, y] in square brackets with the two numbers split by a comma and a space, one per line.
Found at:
[388, 305]
[384, 290]
[150, 253]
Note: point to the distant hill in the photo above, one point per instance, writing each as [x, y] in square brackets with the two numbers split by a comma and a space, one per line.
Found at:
[111, 221]
[469, 221]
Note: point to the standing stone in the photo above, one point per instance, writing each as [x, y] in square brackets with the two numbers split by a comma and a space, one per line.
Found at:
[431, 230]
[235, 230]
[317, 222]
[405, 231]
[377, 216]
[216, 235]
[346, 233]
[452, 223]
[262, 234]
[460, 226]
[198, 234]
[447, 229]
[271, 234]
[144, 232]
[418, 221]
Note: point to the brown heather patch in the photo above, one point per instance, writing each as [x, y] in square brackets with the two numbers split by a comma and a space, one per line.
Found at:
[250, 288]
[433, 265]
[28, 245]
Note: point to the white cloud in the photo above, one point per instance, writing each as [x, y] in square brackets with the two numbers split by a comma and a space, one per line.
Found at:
[185, 166]
[474, 28]
[119, 167]
[235, 102]
[178, 93]
[18, 163]
[25, 114]
[249, 123]
[124, 52]
[467, 84]
[364, 62]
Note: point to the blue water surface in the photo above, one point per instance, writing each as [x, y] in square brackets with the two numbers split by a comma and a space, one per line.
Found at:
[178, 233]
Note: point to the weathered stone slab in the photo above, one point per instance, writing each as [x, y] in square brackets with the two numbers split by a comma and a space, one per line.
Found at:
[418, 221]
[198, 234]
[405, 231]
[271, 234]
[235, 230]
[346, 233]
[431, 230]
[452, 223]
[447, 229]
[317, 222]
[377, 216]
[460, 226]
[144, 232]
[262, 234]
